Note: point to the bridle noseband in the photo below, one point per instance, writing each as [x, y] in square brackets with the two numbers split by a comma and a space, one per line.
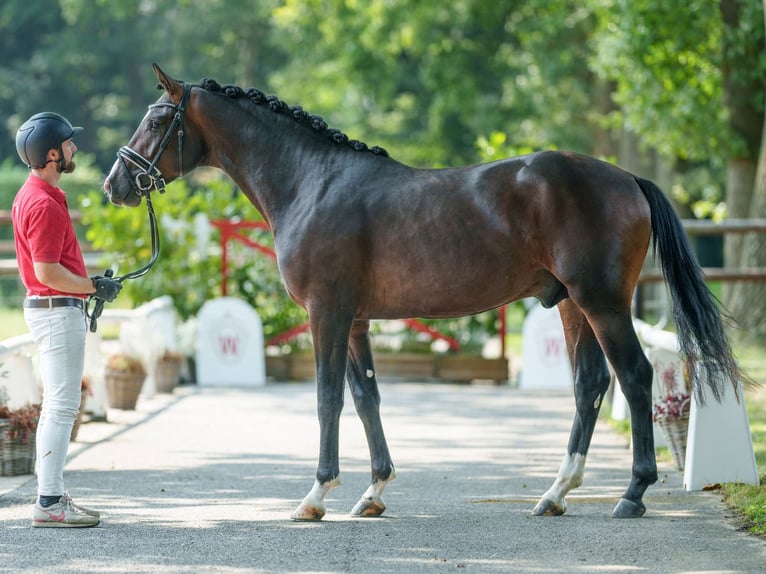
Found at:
[149, 176]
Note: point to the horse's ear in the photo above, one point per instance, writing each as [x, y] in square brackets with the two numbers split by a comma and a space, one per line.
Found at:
[171, 86]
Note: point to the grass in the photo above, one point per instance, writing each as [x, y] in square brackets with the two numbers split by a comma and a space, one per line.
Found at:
[750, 500]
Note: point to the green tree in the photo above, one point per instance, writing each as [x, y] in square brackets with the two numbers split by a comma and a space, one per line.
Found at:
[428, 78]
[744, 70]
[91, 59]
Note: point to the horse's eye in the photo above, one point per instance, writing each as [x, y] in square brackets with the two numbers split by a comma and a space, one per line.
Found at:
[154, 125]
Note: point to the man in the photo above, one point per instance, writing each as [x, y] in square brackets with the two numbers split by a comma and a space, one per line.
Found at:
[53, 271]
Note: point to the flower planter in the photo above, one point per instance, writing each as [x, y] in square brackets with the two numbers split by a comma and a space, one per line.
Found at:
[400, 366]
[122, 389]
[676, 430]
[167, 373]
[17, 456]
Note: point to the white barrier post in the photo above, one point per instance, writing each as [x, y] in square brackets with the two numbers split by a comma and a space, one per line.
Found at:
[719, 447]
[544, 359]
[230, 347]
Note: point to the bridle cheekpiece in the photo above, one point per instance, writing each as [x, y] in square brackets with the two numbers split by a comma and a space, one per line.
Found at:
[149, 176]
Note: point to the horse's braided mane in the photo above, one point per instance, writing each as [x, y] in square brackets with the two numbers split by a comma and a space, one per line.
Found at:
[295, 112]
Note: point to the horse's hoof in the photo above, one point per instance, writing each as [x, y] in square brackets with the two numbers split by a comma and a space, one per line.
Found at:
[628, 509]
[308, 513]
[547, 507]
[368, 507]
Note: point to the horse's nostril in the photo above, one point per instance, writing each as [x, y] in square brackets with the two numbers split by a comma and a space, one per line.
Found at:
[107, 187]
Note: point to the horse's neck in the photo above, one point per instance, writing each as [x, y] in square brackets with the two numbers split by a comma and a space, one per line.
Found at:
[269, 167]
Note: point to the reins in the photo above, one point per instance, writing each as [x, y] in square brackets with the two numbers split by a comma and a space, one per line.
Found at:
[148, 177]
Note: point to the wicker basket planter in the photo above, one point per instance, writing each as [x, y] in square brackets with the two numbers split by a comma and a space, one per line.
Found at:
[17, 456]
[167, 372]
[671, 409]
[124, 376]
[676, 430]
[122, 389]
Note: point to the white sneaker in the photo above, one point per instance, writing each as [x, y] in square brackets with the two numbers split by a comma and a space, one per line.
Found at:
[63, 514]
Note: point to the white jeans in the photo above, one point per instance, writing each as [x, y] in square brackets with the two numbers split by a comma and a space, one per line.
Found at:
[60, 337]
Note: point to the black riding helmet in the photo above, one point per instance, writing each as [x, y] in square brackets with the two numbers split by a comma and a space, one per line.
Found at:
[41, 133]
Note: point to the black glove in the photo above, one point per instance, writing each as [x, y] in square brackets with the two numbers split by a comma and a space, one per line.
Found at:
[106, 288]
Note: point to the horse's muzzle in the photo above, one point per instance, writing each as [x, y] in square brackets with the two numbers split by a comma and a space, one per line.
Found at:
[127, 197]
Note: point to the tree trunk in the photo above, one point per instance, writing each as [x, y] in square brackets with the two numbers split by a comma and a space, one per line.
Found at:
[743, 94]
[750, 297]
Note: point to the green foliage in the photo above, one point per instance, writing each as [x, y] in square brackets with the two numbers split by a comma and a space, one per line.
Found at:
[90, 60]
[428, 84]
[666, 66]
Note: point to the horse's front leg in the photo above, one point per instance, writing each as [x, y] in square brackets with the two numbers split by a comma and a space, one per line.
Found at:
[591, 378]
[330, 334]
[360, 372]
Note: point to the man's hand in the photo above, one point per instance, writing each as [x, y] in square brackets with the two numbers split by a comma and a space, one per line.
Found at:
[107, 288]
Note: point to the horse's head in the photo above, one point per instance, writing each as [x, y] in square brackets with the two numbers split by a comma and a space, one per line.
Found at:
[161, 149]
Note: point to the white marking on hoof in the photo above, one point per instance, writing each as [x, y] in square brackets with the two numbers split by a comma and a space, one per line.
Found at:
[370, 373]
[312, 507]
[371, 503]
[570, 477]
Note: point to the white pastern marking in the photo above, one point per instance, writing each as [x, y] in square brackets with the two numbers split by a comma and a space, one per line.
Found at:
[570, 477]
[315, 497]
[375, 490]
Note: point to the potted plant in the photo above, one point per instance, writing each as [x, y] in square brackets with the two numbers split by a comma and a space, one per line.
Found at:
[124, 375]
[167, 371]
[18, 429]
[671, 412]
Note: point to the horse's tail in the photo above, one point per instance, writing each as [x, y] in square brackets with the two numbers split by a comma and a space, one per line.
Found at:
[701, 336]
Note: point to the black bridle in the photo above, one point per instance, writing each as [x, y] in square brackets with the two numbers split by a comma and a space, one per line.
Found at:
[148, 177]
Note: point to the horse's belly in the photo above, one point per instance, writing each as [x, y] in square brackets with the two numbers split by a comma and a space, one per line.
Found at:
[431, 291]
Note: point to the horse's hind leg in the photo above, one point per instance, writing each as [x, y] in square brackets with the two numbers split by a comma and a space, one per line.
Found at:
[360, 372]
[591, 379]
[634, 372]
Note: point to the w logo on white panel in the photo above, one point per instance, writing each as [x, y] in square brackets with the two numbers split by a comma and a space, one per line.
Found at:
[230, 348]
[544, 357]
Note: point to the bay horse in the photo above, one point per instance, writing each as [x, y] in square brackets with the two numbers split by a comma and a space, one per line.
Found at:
[361, 236]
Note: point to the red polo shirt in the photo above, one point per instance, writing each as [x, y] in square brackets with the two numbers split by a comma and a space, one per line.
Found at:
[43, 232]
